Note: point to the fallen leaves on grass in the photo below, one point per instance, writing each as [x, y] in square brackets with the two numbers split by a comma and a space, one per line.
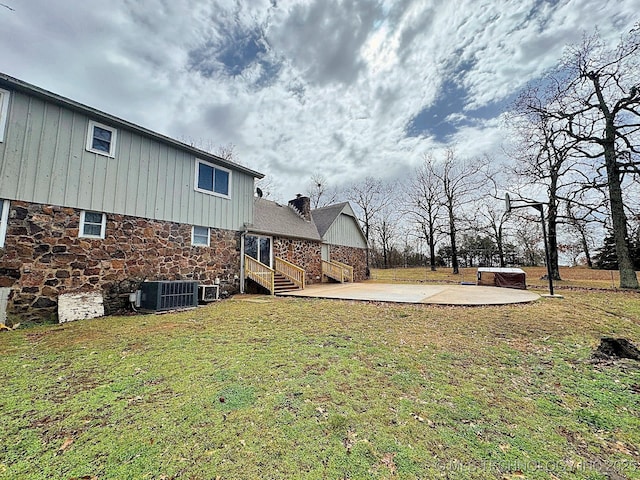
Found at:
[387, 461]
[65, 445]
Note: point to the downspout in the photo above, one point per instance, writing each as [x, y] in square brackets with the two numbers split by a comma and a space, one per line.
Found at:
[242, 279]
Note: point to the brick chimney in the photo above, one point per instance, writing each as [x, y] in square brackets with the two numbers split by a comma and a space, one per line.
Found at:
[302, 206]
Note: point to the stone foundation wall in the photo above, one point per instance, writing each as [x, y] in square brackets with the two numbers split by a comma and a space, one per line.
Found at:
[43, 257]
[303, 253]
[356, 257]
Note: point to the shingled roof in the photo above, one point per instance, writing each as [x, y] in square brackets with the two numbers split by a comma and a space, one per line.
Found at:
[325, 216]
[271, 218]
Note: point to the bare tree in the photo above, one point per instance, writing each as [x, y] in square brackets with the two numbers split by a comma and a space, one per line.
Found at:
[546, 158]
[319, 191]
[386, 230]
[458, 179]
[423, 203]
[370, 196]
[492, 219]
[595, 97]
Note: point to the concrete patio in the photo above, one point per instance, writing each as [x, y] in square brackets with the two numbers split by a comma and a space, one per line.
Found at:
[412, 293]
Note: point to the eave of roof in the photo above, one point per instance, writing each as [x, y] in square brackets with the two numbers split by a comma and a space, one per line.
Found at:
[16, 84]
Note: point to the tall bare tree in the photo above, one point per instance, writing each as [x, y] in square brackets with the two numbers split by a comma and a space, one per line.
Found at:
[545, 158]
[595, 97]
[386, 229]
[423, 203]
[370, 196]
[459, 178]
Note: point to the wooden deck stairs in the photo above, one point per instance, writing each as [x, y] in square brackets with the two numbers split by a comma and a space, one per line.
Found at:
[285, 277]
[283, 284]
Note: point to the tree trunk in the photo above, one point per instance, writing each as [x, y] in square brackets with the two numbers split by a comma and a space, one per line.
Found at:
[553, 240]
[454, 248]
[628, 277]
[586, 250]
[432, 254]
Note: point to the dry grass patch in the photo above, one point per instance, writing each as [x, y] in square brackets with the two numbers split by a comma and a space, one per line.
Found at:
[304, 388]
[572, 277]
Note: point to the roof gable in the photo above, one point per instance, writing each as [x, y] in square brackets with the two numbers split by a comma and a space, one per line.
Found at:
[328, 216]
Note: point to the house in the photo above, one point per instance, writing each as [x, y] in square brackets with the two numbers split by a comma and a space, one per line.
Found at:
[91, 202]
[301, 246]
[284, 238]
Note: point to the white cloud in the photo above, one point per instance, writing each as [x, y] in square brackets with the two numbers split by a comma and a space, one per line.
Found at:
[320, 85]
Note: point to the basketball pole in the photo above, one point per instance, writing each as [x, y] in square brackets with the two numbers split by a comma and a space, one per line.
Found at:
[540, 207]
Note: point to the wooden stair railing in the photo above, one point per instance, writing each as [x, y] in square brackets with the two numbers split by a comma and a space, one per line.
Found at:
[290, 271]
[348, 271]
[331, 270]
[259, 272]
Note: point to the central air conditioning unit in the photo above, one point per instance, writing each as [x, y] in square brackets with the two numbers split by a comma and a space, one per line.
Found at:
[209, 293]
[168, 295]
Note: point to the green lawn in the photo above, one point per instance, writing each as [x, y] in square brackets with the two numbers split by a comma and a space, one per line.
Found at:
[261, 387]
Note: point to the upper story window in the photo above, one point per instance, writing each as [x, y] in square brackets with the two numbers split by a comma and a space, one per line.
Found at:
[200, 236]
[4, 217]
[213, 179]
[92, 224]
[101, 139]
[4, 112]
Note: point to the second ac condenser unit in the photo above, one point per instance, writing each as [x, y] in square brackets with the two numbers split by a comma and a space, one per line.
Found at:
[169, 295]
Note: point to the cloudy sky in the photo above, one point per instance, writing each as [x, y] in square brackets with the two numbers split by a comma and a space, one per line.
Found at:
[345, 88]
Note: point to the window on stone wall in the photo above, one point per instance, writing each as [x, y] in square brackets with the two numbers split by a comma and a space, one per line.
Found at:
[4, 218]
[200, 236]
[92, 224]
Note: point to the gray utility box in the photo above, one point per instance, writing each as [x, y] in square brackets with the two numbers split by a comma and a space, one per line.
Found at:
[168, 295]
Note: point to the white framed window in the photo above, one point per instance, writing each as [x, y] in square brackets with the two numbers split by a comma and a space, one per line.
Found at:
[4, 111]
[4, 218]
[92, 224]
[101, 139]
[200, 236]
[213, 179]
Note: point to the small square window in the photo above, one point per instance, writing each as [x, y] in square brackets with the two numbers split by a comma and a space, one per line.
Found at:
[101, 139]
[4, 218]
[4, 112]
[212, 179]
[200, 236]
[92, 224]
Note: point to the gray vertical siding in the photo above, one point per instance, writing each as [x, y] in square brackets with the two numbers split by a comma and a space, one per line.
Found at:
[44, 160]
[344, 231]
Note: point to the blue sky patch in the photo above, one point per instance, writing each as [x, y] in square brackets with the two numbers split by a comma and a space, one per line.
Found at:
[433, 120]
[237, 49]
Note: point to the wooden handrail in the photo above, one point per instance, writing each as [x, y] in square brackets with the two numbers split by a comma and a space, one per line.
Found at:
[332, 270]
[291, 271]
[338, 271]
[348, 269]
[259, 272]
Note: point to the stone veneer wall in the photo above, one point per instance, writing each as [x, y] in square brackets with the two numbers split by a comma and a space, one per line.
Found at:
[356, 257]
[303, 253]
[44, 257]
